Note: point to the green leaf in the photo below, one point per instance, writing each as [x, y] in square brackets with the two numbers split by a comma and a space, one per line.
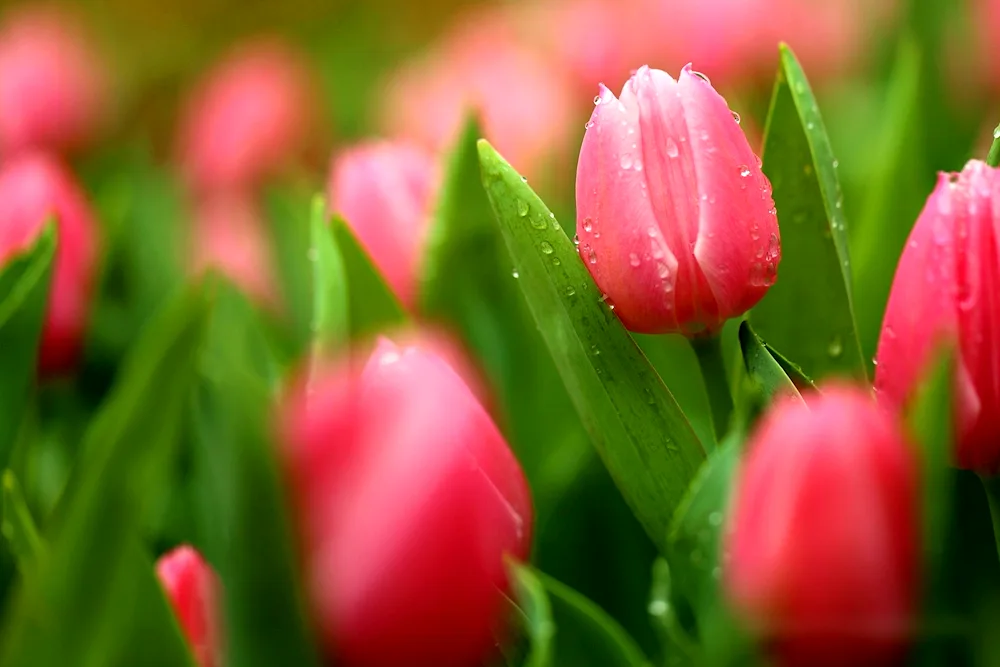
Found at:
[695, 555]
[808, 314]
[330, 325]
[636, 425]
[73, 610]
[583, 634]
[19, 526]
[372, 304]
[24, 291]
[240, 496]
[678, 647]
[289, 211]
[897, 188]
[764, 369]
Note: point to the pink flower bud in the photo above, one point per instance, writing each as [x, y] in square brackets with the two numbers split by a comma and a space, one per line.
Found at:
[230, 235]
[947, 289]
[407, 497]
[247, 119]
[35, 188]
[674, 217]
[387, 193]
[526, 107]
[193, 589]
[822, 548]
[52, 84]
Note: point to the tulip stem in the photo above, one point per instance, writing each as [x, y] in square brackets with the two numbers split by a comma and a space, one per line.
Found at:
[713, 370]
[993, 157]
[992, 487]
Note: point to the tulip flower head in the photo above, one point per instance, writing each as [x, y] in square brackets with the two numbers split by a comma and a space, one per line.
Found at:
[407, 497]
[193, 589]
[822, 541]
[36, 189]
[947, 290]
[386, 192]
[675, 219]
[247, 119]
[52, 83]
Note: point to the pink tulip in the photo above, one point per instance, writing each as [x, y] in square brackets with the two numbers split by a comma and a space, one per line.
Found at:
[52, 84]
[525, 105]
[387, 193]
[822, 548]
[247, 119]
[230, 235]
[947, 289]
[674, 217]
[193, 589]
[35, 188]
[407, 498]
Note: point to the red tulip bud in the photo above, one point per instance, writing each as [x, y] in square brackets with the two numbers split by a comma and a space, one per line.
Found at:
[674, 217]
[822, 542]
[52, 84]
[248, 118]
[34, 188]
[193, 589]
[387, 192]
[407, 497]
[947, 288]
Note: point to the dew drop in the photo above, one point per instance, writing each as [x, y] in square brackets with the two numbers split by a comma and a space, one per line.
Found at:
[671, 147]
[588, 224]
[702, 77]
[662, 270]
[996, 132]
[522, 208]
[626, 161]
[538, 223]
[589, 124]
[736, 117]
[576, 241]
[570, 290]
[556, 261]
[515, 273]
[836, 348]
[546, 247]
[524, 179]
[744, 170]
[633, 259]
[597, 100]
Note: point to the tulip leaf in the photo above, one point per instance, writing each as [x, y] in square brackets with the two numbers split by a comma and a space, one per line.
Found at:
[240, 494]
[18, 525]
[765, 371]
[695, 554]
[644, 439]
[808, 313]
[372, 306]
[73, 608]
[330, 324]
[897, 187]
[24, 291]
[291, 210]
[678, 647]
[567, 628]
[675, 362]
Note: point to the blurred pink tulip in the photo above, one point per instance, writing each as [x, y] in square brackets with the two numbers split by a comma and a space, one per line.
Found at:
[407, 498]
[52, 84]
[35, 188]
[822, 539]
[387, 192]
[193, 589]
[248, 118]
[674, 216]
[947, 288]
[526, 108]
[230, 235]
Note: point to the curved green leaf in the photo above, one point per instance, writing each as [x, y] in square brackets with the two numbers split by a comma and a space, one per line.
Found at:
[330, 322]
[19, 526]
[808, 314]
[24, 291]
[636, 425]
[763, 368]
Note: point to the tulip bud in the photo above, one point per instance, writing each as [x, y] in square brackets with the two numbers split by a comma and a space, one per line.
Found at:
[52, 85]
[822, 540]
[247, 119]
[192, 588]
[230, 235]
[947, 289]
[675, 219]
[407, 497]
[35, 189]
[387, 192]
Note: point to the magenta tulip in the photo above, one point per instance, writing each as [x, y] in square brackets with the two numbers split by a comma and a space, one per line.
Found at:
[822, 548]
[674, 216]
[386, 192]
[407, 497]
[947, 290]
[34, 189]
[193, 590]
[52, 83]
[247, 119]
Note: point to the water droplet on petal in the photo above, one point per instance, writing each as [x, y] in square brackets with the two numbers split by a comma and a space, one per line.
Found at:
[626, 161]
[744, 170]
[633, 259]
[702, 77]
[588, 224]
[671, 148]
[597, 100]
